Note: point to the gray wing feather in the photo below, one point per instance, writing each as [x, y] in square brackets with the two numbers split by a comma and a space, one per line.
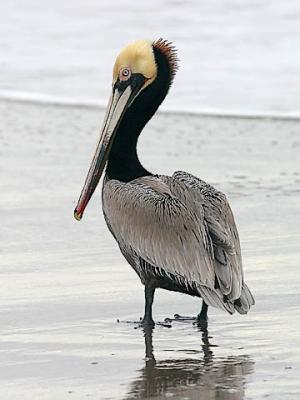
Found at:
[225, 238]
[146, 215]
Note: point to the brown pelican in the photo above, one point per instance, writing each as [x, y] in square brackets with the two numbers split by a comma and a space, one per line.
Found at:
[177, 232]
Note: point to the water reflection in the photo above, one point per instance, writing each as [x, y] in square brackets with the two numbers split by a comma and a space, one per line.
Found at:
[196, 378]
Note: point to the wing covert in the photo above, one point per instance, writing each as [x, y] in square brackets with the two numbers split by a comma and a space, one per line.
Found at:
[146, 215]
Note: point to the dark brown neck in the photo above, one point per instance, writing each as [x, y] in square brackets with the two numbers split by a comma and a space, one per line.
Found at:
[123, 163]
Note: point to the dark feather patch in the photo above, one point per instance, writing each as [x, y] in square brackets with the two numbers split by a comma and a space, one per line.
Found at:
[170, 52]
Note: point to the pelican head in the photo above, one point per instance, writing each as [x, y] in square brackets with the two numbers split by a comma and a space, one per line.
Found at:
[142, 75]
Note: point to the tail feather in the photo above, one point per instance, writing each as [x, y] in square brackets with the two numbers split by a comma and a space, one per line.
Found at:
[215, 298]
[245, 301]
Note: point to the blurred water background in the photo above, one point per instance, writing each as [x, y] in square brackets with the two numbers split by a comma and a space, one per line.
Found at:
[237, 57]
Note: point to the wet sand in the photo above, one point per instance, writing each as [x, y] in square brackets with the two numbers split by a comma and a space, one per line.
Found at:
[64, 284]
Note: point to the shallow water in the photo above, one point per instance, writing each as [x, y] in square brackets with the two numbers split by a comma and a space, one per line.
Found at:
[64, 284]
[238, 57]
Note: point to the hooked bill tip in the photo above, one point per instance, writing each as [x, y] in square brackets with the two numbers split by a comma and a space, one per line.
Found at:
[77, 215]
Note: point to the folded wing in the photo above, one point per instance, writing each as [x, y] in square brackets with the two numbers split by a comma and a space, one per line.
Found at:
[225, 239]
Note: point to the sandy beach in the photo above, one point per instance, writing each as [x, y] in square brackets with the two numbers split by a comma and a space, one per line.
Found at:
[64, 284]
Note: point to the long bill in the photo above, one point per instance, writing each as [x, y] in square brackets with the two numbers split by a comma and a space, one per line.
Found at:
[118, 103]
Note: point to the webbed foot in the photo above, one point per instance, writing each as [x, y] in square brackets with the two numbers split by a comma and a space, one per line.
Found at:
[144, 323]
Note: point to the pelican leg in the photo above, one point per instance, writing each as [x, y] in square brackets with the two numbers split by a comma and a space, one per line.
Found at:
[147, 322]
[202, 317]
[149, 295]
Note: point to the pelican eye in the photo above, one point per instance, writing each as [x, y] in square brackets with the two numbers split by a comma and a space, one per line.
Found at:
[124, 74]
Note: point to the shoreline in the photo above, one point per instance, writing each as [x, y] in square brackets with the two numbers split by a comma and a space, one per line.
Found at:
[48, 100]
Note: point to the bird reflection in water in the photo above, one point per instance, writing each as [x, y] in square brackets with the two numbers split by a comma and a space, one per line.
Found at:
[191, 378]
